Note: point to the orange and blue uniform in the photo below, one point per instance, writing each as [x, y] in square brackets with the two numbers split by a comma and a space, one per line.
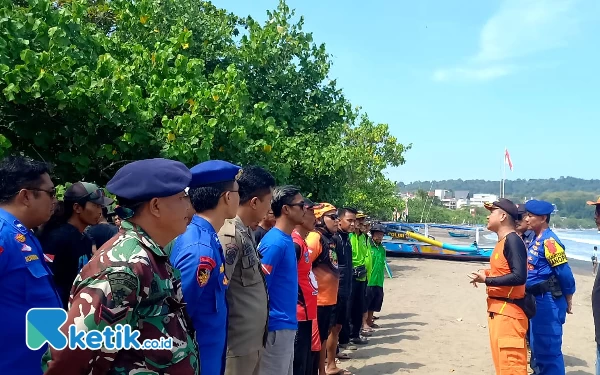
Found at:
[505, 281]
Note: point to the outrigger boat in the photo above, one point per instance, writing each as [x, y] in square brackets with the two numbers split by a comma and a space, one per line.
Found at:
[401, 239]
[458, 235]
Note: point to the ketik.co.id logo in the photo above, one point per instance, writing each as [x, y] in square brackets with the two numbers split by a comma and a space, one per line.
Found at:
[43, 326]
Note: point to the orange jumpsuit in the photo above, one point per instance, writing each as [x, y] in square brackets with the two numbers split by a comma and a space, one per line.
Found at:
[507, 322]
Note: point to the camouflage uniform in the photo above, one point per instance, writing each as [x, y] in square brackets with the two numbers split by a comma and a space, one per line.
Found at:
[129, 281]
[247, 299]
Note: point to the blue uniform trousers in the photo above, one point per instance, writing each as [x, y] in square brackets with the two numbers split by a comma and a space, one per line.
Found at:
[211, 337]
[545, 337]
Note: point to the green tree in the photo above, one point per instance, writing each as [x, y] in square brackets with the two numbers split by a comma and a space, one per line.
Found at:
[91, 85]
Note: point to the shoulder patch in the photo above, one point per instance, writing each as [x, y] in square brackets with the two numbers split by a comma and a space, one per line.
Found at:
[20, 238]
[122, 285]
[231, 251]
[554, 252]
[203, 275]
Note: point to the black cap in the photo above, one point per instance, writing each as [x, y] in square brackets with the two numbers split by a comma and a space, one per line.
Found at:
[521, 209]
[86, 192]
[309, 204]
[505, 204]
[378, 228]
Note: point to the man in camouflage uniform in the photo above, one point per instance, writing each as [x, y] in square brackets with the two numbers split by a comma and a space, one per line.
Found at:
[130, 281]
[247, 293]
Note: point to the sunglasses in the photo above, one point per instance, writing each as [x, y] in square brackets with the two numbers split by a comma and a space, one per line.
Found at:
[51, 193]
[95, 195]
[333, 216]
[301, 204]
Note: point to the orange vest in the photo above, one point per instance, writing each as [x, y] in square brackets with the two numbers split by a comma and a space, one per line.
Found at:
[499, 267]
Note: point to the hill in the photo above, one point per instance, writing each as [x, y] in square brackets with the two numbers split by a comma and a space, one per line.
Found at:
[517, 188]
[568, 193]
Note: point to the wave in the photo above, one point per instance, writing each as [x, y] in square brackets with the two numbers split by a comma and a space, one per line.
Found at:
[587, 241]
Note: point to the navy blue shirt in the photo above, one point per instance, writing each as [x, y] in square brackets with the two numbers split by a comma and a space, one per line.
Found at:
[281, 273]
[25, 283]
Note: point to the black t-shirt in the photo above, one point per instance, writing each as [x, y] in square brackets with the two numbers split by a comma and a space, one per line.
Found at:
[101, 233]
[71, 250]
[259, 233]
[596, 306]
[516, 256]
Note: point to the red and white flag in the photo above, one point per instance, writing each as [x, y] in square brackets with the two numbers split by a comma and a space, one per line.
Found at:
[507, 159]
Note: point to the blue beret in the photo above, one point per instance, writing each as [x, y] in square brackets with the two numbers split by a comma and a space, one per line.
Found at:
[212, 172]
[143, 180]
[539, 207]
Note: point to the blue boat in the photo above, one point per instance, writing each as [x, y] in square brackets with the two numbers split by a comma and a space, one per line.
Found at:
[401, 240]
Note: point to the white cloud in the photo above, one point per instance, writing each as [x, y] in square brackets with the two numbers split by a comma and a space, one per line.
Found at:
[473, 74]
[519, 28]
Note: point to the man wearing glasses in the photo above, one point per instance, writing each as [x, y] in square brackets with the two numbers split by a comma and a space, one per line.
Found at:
[27, 199]
[198, 254]
[281, 273]
[596, 293]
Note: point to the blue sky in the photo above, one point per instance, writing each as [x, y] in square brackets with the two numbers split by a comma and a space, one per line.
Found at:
[462, 79]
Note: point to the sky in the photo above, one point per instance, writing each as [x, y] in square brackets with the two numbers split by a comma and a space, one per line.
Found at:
[464, 80]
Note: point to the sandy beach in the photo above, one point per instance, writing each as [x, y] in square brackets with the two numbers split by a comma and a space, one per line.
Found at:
[434, 322]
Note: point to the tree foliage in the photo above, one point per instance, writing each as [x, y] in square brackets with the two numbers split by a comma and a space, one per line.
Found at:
[91, 85]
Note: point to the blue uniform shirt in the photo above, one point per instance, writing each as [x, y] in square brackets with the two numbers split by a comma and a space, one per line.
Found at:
[546, 255]
[25, 283]
[199, 256]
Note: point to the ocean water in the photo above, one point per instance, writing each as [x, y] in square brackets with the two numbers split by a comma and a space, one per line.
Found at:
[579, 244]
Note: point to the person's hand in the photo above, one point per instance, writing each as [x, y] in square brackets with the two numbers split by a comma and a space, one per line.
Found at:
[569, 304]
[477, 277]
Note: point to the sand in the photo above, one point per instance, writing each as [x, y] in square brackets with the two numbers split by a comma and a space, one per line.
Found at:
[434, 322]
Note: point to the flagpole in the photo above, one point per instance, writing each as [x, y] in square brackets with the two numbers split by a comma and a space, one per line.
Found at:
[504, 173]
[501, 178]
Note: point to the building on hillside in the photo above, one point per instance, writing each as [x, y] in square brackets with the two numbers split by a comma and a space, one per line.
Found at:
[442, 194]
[449, 203]
[478, 200]
[463, 198]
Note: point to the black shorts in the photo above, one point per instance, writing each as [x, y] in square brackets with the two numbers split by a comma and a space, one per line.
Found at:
[325, 320]
[374, 298]
[341, 310]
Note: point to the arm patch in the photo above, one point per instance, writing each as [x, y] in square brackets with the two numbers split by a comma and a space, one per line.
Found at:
[554, 253]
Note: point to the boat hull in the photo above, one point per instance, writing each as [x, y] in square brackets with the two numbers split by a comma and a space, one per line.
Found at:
[420, 250]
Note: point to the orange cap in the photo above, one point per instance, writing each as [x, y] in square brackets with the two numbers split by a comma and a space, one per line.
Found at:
[322, 208]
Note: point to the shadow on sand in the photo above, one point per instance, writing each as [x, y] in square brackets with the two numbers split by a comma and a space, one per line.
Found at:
[571, 361]
[399, 324]
[388, 331]
[385, 368]
[391, 339]
[396, 268]
[373, 352]
[397, 316]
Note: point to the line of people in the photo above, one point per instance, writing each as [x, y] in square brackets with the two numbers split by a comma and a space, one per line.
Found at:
[186, 265]
[530, 289]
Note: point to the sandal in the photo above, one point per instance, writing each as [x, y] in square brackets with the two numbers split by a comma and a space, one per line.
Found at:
[341, 355]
